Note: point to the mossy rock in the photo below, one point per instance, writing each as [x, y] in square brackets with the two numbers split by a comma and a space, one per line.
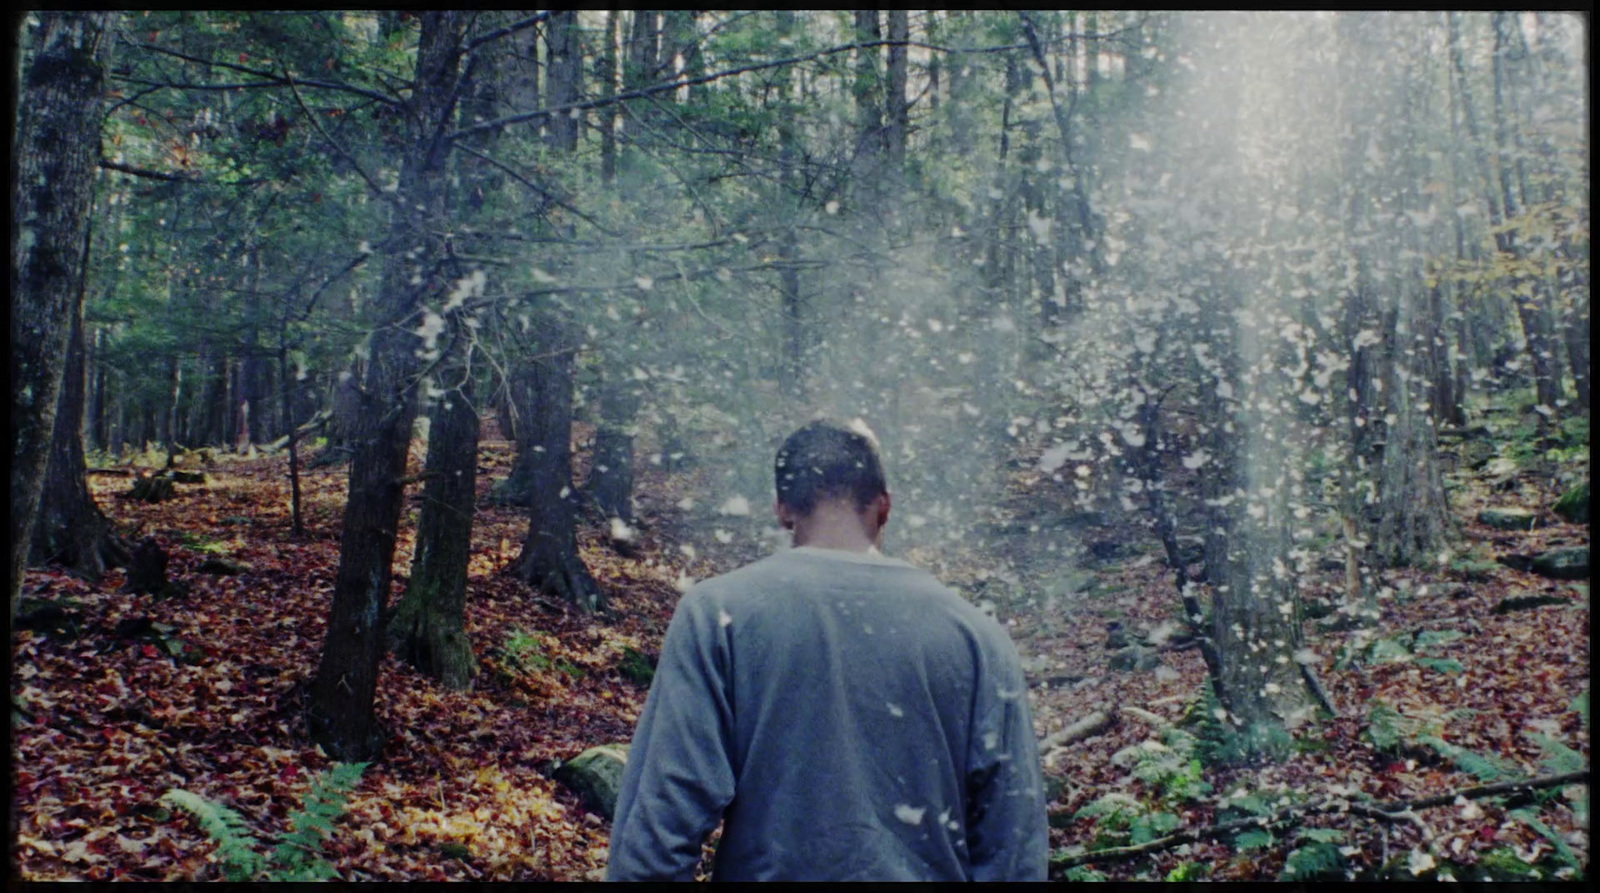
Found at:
[637, 667]
[1506, 518]
[596, 777]
[153, 489]
[1571, 563]
[1135, 659]
[1574, 504]
[223, 566]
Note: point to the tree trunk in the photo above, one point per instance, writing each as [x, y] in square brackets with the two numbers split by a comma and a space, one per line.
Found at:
[341, 715]
[428, 627]
[71, 531]
[606, 70]
[565, 82]
[57, 152]
[610, 482]
[899, 109]
[1526, 293]
[542, 387]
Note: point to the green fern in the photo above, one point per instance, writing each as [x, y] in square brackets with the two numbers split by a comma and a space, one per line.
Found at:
[235, 844]
[1559, 759]
[1083, 874]
[298, 856]
[1485, 768]
[1316, 859]
[1386, 727]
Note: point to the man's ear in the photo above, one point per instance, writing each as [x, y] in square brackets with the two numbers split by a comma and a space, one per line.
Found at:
[785, 516]
[881, 505]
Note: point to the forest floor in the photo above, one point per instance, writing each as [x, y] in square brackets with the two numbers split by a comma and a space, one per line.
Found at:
[203, 691]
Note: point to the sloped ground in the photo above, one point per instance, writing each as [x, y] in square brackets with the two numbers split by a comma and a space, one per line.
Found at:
[103, 725]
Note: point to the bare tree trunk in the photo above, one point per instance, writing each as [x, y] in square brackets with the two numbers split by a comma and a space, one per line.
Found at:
[899, 109]
[57, 147]
[565, 82]
[542, 387]
[610, 482]
[341, 715]
[428, 627]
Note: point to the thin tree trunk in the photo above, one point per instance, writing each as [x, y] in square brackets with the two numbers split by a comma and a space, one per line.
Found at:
[287, 400]
[57, 152]
[542, 387]
[341, 715]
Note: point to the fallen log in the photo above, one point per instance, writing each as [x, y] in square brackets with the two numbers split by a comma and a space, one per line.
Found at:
[1393, 811]
[1089, 726]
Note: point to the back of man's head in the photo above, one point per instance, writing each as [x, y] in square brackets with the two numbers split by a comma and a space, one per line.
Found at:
[825, 460]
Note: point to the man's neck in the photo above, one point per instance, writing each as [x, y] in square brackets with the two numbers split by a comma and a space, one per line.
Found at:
[833, 526]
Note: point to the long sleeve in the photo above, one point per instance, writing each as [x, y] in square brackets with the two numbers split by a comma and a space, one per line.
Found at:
[1007, 829]
[680, 773]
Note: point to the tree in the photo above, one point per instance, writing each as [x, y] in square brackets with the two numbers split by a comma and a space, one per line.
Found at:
[428, 627]
[341, 713]
[57, 154]
[71, 530]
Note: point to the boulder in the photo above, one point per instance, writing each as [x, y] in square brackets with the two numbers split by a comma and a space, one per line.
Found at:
[1509, 518]
[1570, 563]
[596, 777]
[1135, 659]
[1574, 504]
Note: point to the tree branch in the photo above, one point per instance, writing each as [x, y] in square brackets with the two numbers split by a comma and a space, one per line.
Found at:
[148, 174]
[269, 76]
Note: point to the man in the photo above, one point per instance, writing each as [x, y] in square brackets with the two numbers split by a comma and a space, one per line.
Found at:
[846, 715]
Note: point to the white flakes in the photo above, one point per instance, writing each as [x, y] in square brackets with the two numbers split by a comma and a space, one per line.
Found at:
[896, 711]
[736, 505]
[911, 815]
[620, 531]
[686, 503]
[1138, 142]
[724, 618]
[687, 550]
[722, 536]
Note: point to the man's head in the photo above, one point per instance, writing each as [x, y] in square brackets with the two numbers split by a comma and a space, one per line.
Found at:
[829, 475]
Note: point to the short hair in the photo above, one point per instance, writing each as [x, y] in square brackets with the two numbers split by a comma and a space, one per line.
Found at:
[826, 460]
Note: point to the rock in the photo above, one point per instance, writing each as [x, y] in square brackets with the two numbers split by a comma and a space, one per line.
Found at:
[1475, 455]
[1509, 518]
[147, 572]
[1574, 504]
[1526, 602]
[596, 776]
[1571, 563]
[153, 489]
[58, 618]
[217, 564]
[189, 477]
[1135, 659]
[1116, 636]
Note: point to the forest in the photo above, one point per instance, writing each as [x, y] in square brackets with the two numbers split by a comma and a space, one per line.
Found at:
[380, 381]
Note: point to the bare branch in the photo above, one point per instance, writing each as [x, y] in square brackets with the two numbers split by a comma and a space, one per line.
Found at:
[270, 76]
[1389, 813]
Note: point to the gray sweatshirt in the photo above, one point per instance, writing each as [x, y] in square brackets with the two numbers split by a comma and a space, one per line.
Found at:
[849, 717]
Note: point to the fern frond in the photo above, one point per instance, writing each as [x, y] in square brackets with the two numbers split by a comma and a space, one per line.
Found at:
[1559, 759]
[299, 852]
[235, 844]
[1486, 768]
